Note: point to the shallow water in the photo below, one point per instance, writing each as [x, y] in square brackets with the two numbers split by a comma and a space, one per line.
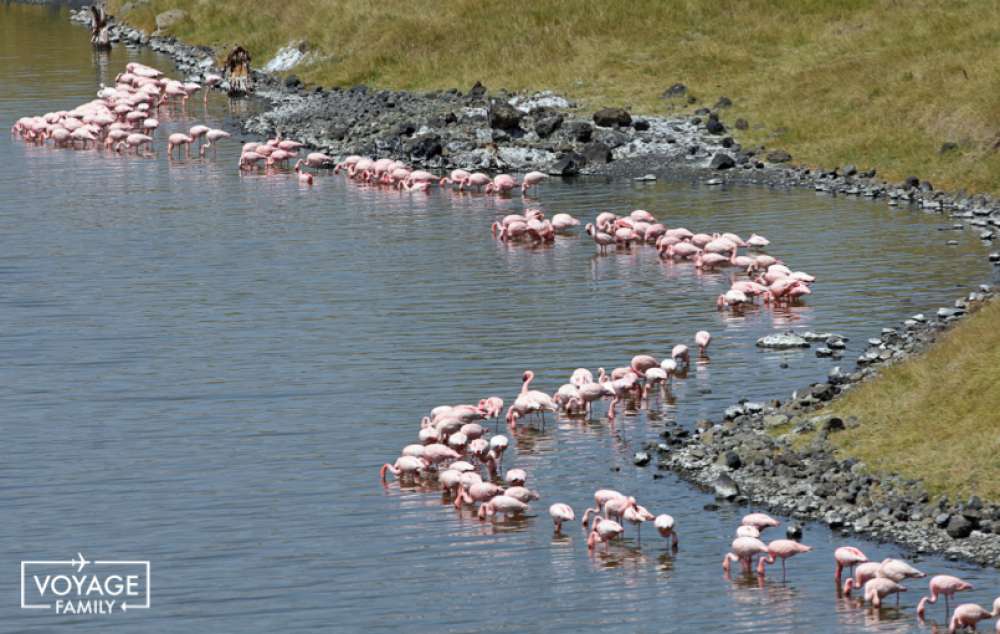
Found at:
[206, 370]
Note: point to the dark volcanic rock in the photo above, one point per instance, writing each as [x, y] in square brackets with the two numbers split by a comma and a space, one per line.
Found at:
[722, 161]
[503, 116]
[641, 459]
[723, 102]
[545, 126]
[741, 124]
[640, 125]
[610, 117]
[425, 147]
[732, 460]
[779, 156]
[596, 152]
[911, 182]
[714, 126]
[568, 164]
[580, 131]
[959, 527]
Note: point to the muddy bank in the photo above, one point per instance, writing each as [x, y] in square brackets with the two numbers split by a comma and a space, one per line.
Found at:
[737, 456]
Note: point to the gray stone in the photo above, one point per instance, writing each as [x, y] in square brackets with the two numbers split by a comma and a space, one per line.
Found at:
[641, 459]
[677, 90]
[779, 156]
[725, 487]
[782, 341]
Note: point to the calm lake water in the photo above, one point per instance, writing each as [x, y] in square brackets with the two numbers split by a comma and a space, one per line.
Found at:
[206, 370]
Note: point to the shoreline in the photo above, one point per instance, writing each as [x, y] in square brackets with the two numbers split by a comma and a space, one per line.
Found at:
[737, 457]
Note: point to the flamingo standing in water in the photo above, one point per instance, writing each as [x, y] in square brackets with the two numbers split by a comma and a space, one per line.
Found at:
[942, 585]
[743, 550]
[212, 136]
[532, 179]
[601, 239]
[603, 530]
[781, 549]
[876, 589]
[702, 338]
[968, 615]
[405, 466]
[847, 557]
[665, 526]
[502, 183]
[304, 177]
[177, 140]
[760, 521]
[560, 513]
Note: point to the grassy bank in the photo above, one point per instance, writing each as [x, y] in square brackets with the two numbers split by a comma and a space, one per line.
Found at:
[935, 417]
[876, 83]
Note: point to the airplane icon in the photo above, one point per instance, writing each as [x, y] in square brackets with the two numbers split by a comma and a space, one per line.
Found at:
[82, 561]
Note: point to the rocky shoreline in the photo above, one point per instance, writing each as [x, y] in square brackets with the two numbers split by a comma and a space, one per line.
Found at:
[739, 458]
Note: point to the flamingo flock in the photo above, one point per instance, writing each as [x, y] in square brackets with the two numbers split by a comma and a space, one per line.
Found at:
[532, 227]
[457, 455]
[122, 119]
[767, 277]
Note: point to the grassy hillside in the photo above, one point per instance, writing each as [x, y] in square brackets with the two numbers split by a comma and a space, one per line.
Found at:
[935, 417]
[875, 83]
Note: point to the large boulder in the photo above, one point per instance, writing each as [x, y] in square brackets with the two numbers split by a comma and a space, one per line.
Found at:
[168, 19]
[610, 117]
[503, 116]
[596, 152]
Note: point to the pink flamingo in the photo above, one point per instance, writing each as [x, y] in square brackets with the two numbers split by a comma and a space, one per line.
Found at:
[405, 466]
[601, 497]
[876, 589]
[897, 570]
[502, 504]
[502, 183]
[847, 557]
[603, 530]
[760, 521]
[863, 573]
[665, 526]
[198, 131]
[781, 549]
[457, 176]
[743, 550]
[532, 179]
[968, 615]
[176, 140]
[213, 136]
[601, 239]
[560, 513]
[211, 81]
[681, 355]
[702, 338]
[304, 177]
[318, 159]
[477, 179]
[942, 585]
[637, 514]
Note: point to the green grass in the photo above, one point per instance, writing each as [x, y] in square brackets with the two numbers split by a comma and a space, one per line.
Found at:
[876, 83]
[935, 417]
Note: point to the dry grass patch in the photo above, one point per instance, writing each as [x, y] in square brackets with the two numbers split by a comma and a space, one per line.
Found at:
[935, 417]
[877, 83]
